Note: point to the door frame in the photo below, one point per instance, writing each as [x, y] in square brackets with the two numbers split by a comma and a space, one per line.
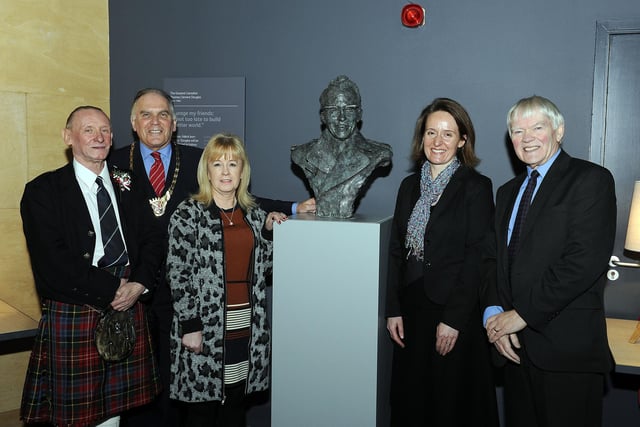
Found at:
[604, 31]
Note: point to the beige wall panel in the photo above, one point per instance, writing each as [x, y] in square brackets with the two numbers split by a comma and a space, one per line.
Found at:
[54, 56]
[46, 117]
[17, 287]
[13, 159]
[55, 47]
[13, 368]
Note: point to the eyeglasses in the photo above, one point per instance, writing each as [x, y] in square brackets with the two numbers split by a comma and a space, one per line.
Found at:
[335, 111]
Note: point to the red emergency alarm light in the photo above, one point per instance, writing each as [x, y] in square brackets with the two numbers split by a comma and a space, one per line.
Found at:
[412, 15]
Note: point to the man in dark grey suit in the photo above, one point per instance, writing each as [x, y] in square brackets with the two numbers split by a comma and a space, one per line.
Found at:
[546, 312]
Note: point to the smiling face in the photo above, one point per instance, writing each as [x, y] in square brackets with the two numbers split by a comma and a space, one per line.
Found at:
[441, 140]
[224, 175]
[341, 115]
[152, 120]
[89, 135]
[534, 139]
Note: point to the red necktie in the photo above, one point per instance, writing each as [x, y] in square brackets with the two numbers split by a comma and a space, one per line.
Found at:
[156, 174]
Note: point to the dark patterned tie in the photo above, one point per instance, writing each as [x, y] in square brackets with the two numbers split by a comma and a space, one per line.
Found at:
[521, 216]
[115, 253]
[156, 174]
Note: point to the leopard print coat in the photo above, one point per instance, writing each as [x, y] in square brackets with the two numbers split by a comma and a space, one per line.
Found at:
[195, 272]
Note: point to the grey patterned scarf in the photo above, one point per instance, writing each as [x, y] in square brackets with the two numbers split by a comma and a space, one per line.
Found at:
[430, 191]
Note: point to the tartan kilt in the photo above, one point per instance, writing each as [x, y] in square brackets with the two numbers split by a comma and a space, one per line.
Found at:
[68, 383]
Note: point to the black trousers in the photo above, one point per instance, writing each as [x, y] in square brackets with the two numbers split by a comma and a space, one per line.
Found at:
[537, 398]
[231, 413]
[162, 412]
[427, 389]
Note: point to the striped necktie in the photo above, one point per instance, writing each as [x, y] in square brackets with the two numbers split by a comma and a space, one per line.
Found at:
[156, 174]
[115, 253]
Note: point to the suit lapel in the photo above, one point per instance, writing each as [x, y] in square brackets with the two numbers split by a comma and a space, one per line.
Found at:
[546, 189]
[71, 195]
[119, 200]
[172, 167]
[504, 209]
[174, 200]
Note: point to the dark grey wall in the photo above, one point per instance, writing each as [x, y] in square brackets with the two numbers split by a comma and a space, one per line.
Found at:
[485, 54]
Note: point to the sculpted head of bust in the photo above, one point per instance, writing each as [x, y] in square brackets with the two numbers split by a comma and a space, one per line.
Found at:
[340, 108]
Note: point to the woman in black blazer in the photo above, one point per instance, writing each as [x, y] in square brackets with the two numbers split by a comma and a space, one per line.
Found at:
[441, 370]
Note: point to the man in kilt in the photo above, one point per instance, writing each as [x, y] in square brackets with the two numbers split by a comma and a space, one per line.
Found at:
[77, 277]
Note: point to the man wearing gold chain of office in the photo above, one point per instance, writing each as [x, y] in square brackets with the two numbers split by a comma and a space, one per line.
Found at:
[169, 172]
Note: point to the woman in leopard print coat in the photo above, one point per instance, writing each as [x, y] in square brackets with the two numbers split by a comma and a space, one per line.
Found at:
[197, 270]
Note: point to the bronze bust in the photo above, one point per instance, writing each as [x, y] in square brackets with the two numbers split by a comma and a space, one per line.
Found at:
[339, 162]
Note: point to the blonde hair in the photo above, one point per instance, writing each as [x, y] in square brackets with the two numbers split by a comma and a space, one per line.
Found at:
[230, 147]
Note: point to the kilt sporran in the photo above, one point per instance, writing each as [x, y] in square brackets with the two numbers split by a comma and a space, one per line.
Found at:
[115, 334]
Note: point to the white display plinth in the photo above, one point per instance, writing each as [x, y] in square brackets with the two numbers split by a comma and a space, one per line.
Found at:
[331, 351]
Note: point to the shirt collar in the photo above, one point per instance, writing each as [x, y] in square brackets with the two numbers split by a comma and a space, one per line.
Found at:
[165, 152]
[544, 168]
[87, 176]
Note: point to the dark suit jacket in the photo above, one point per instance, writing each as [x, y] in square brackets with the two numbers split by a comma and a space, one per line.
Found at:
[557, 278]
[186, 182]
[452, 267]
[61, 240]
